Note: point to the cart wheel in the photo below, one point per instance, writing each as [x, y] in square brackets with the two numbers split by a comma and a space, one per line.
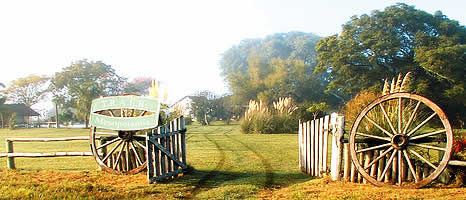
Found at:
[401, 140]
[118, 151]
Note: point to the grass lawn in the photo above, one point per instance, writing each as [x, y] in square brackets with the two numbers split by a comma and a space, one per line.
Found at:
[225, 165]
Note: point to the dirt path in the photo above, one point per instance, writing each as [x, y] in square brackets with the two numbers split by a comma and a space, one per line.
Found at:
[202, 183]
[269, 176]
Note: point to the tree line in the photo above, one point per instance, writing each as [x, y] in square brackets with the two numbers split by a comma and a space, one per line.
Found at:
[73, 89]
[370, 49]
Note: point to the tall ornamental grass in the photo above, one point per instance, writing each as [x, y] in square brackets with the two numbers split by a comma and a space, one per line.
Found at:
[259, 119]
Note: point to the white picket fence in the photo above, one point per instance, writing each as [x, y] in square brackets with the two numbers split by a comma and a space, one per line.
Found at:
[314, 138]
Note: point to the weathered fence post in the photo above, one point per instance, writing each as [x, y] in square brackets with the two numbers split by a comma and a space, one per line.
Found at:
[337, 147]
[10, 160]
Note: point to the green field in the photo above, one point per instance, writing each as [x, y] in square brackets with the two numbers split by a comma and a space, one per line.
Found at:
[225, 164]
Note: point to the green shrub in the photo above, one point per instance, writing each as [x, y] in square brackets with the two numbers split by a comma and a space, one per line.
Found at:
[12, 121]
[188, 120]
[258, 119]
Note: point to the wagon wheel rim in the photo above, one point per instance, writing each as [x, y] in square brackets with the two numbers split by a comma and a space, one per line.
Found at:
[126, 149]
[401, 140]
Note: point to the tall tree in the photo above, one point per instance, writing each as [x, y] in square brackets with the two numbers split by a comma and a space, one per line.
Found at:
[84, 81]
[203, 106]
[396, 40]
[27, 90]
[279, 65]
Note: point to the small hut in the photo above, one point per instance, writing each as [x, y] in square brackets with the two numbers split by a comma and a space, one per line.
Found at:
[22, 112]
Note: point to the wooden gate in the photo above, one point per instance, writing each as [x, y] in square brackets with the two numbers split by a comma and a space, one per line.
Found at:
[314, 138]
[166, 151]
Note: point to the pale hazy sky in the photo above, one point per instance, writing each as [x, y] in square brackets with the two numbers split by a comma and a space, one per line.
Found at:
[177, 42]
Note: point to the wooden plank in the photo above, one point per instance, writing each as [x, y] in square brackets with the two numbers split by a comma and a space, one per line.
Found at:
[325, 150]
[353, 175]
[50, 154]
[157, 158]
[307, 147]
[361, 158]
[166, 152]
[457, 163]
[310, 141]
[183, 140]
[316, 148]
[380, 166]
[347, 162]
[367, 160]
[178, 139]
[300, 146]
[321, 146]
[373, 171]
[47, 139]
[150, 158]
[162, 156]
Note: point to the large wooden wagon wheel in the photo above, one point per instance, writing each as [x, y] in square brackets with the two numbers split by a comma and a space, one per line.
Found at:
[117, 138]
[401, 140]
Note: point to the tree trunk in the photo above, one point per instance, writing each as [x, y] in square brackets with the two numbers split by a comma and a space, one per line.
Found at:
[56, 116]
[205, 119]
[1, 116]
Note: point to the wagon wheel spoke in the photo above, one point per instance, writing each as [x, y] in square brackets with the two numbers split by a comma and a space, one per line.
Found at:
[422, 158]
[387, 118]
[399, 118]
[119, 156]
[400, 168]
[378, 158]
[127, 156]
[373, 148]
[378, 126]
[374, 136]
[389, 163]
[411, 168]
[111, 151]
[141, 145]
[108, 143]
[140, 136]
[421, 124]
[411, 117]
[427, 134]
[428, 147]
[136, 153]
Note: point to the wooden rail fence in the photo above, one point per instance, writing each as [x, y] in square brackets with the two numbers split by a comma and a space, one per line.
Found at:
[10, 154]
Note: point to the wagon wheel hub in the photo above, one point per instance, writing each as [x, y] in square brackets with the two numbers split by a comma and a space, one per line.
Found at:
[399, 141]
[126, 135]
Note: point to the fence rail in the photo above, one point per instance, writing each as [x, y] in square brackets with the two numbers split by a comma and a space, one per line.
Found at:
[10, 154]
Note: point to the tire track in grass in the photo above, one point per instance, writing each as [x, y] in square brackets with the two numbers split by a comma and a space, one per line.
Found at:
[269, 176]
[202, 183]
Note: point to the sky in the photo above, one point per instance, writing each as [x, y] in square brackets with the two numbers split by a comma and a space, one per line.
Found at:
[178, 43]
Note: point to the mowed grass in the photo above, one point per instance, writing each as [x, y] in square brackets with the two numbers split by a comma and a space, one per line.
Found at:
[225, 164]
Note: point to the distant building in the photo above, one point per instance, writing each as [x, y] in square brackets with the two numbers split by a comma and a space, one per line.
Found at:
[183, 104]
[23, 113]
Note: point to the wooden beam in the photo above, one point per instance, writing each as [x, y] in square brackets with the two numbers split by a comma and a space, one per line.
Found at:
[52, 154]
